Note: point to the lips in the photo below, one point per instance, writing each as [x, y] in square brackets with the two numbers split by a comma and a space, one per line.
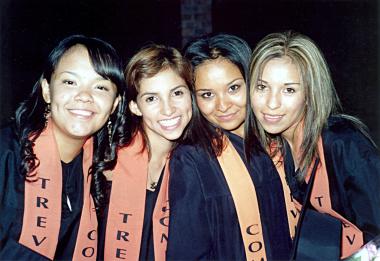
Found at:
[226, 117]
[170, 123]
[272, 118]
[81, 113]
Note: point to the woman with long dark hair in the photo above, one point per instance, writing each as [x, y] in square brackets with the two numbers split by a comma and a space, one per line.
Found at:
[223, 205]
[59, 132]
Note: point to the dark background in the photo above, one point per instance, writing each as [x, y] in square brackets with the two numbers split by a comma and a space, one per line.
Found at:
[346, 31]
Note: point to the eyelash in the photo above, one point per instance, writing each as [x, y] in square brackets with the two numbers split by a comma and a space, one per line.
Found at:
[236, 86]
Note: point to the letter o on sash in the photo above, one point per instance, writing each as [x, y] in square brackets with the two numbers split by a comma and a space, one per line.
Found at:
[88, 252]
[254, 249]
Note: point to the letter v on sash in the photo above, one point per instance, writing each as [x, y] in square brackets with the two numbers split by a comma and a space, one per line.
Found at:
[35, 239]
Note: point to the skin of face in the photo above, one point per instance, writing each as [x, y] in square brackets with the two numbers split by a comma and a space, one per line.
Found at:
[81, 100]
[278, 100]
[221, 94]
[164, 103]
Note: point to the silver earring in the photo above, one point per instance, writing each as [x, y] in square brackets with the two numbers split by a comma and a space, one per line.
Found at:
[109, 128]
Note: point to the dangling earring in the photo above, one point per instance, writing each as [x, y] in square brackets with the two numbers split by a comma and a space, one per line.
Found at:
[109, 128]
[47, 113]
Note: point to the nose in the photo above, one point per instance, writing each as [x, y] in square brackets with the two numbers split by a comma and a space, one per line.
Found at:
[167, 107]
[84, 95]
[223, 103]
[274, 100]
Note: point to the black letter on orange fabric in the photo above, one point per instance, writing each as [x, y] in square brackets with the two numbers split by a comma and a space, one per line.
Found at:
[89, 253]
[41, 220]
[250, 232]
[43, 182]
[319, 200]
[351, 240]
[120, 252]
[42, 201]
[258, 248]
[90, 234]
[122, 234]
[35, 239]
[125, 217]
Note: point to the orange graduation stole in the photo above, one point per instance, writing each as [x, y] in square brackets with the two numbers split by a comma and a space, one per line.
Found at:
[244, 196]
[352, 237]
[127, 205]
[42, 202]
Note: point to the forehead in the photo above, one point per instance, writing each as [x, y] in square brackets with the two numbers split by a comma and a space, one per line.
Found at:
[281, 69]
[216, 70]
[163, 81]
[76, 55]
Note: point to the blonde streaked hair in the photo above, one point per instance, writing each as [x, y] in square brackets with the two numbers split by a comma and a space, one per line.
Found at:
[321, 99]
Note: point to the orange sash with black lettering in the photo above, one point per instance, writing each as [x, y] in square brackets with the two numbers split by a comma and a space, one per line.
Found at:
[127, 205]
[42, 202]
[244, 196]
[352, 237]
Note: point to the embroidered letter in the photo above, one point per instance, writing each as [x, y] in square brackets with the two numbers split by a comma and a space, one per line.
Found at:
[251, 232]
[122, 234]
[252, 248]
[88, 252]
[42, 201]
[345, 225]
[319, 200]
[162, 221]
[120, 252]
[163, 236]
[41, 220]
[43, 182]
[125, 217]
[35, 239]
[90, 234]
[351, 240]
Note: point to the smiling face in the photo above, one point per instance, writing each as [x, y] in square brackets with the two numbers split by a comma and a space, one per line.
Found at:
[278, 100]
[221, 94]
[81, 100]
[164, 102]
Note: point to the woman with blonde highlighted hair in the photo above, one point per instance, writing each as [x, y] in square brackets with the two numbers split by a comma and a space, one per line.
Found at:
[298, 119]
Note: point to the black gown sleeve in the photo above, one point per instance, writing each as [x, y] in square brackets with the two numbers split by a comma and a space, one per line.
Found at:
[355, 164]
[188, 217]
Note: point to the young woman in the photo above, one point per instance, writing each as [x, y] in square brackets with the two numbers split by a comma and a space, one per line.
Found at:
[158, 80]
[297, 112]
[223, 206]
[47, 211]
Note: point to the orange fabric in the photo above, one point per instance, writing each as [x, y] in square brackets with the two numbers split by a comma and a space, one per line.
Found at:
[244, 196]
[127, 205]
[161, 218]
[352, 237]
[42, 206]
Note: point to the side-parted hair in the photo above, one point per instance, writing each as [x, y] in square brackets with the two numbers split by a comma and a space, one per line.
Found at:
[208, 48]
[30, 120]
[321, 99]
[146, 63]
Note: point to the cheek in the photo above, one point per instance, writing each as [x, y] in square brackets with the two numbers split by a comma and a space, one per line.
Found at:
[206, 107]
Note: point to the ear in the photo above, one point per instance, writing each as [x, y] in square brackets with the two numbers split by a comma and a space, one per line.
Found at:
[115, 103]
[134, 108]
[45, 90]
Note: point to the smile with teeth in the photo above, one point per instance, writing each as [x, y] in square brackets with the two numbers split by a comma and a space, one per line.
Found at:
[170, 122]
[84, 113]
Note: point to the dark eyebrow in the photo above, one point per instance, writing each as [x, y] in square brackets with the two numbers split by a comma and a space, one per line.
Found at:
[234, 80]
[171, 90]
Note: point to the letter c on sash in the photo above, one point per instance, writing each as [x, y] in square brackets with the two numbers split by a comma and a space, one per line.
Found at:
[89, 235]
[250, 230]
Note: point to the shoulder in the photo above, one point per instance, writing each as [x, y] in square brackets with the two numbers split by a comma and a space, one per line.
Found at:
[194, 152]
[8, 140]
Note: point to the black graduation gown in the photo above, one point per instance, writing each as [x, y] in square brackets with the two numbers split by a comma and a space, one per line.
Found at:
[12, 203]
[353, 167]
[203, 219]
